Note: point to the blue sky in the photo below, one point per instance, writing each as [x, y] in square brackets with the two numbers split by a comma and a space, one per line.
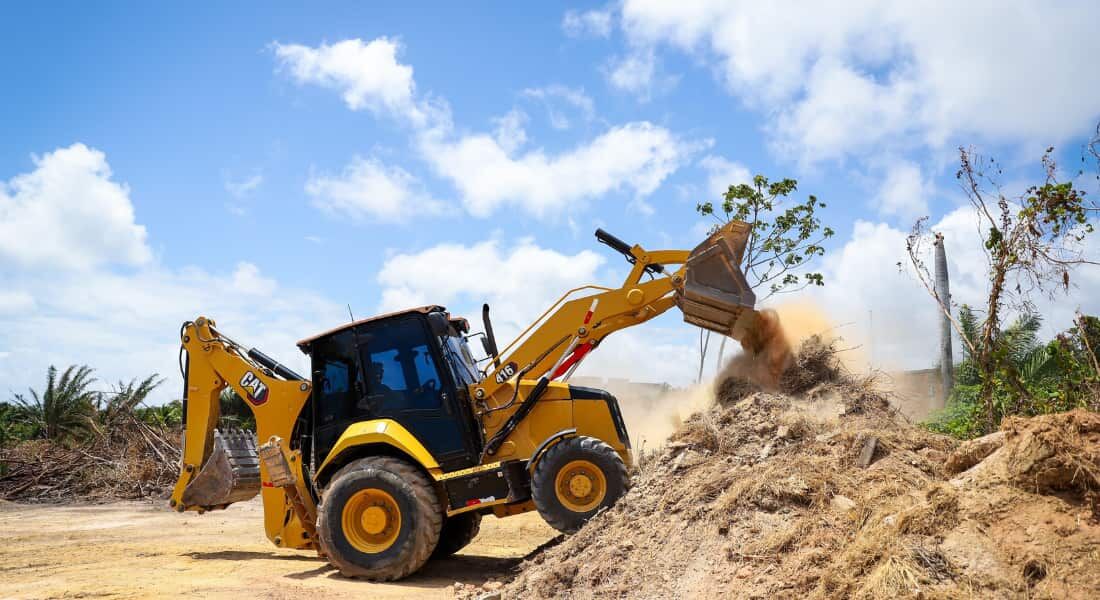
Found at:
[268, 165]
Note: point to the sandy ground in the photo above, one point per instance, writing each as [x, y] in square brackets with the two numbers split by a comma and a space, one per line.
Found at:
[142, 550]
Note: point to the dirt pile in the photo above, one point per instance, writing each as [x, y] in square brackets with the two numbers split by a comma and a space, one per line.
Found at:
[831, 494]
[133, 461]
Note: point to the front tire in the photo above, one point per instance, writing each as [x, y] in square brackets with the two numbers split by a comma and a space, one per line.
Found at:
[575, 479]
[379, 519]
[457, 533]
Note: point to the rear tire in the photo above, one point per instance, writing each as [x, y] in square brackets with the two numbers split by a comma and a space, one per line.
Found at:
[575, 479]
[457, 533]
[379, 519]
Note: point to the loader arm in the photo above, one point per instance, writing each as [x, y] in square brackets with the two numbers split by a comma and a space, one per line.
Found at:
[706, 283]
[219, 468]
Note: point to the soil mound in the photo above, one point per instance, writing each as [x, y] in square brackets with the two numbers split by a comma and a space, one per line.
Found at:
[831, 494]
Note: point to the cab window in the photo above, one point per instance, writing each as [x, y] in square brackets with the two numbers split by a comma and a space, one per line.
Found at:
[401, 371]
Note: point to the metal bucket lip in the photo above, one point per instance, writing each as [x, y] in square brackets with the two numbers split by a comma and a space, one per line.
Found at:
[231, 473]
[715, 294]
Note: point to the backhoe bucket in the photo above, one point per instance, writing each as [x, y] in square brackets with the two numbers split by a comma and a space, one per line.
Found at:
[231, 473]
[715, 294]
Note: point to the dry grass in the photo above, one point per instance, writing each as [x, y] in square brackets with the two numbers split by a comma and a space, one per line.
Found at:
[762, 495]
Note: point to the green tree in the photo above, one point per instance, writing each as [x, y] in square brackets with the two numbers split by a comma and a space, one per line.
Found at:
[116, 407]
[65, 407]
[782, 241]
[169, 414]
[234, 412]
[1058, 375]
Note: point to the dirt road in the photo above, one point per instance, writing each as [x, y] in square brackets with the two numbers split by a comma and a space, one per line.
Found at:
[141, 550]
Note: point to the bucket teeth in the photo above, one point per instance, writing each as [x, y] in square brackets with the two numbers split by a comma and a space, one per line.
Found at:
[231, 473]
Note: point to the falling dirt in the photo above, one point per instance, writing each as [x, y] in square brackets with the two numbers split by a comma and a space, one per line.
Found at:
[653, 412]
[768, 348]
[143, 550]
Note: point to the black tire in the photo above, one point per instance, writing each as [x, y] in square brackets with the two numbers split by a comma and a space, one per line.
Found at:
[544, 480]
[457, 533]
[420, 523]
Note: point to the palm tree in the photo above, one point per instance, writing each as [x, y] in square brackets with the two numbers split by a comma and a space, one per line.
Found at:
[1017, 345]
[113, 407]
[165, 415]
[64, 408]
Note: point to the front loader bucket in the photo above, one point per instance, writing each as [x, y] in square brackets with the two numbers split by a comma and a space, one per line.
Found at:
[231, 473]
[715, 294]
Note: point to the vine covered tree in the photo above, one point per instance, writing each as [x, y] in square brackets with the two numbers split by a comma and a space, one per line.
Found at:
[1032, 243]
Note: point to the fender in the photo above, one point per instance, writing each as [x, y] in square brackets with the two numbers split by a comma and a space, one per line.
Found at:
[545, 445]
[379, 431]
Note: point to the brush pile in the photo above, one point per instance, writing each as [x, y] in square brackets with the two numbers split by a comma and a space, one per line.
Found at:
[820, 489]
[130, 460]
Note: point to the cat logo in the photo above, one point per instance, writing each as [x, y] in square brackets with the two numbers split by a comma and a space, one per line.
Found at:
[256, 390]
[506, 372]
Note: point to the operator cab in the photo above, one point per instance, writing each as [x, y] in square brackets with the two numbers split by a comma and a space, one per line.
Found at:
[412, 366]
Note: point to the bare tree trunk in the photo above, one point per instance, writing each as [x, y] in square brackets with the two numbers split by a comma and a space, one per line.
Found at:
[704, 343]
[721, 351]
[947, 362]
[987, 357]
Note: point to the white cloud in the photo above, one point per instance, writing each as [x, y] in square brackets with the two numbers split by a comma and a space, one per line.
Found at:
[904, 192]
[847, 79]
[844, 112]
[488, 169]
[634, 73]
[120, 311]
[635, 156]
[68, 214]
[659, 351]
[862, 277]
[595, 23]
[510, 133]
[125, 324]
[526, 279]
[367, 75]
[519, 282]
[368, 190]
[15, 302]
[243, 187]
[575, 98]
[721, 174]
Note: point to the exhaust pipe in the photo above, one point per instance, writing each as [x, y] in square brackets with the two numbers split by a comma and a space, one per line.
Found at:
[489, 342]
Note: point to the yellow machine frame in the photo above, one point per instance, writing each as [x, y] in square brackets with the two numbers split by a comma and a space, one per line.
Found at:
[551, 347]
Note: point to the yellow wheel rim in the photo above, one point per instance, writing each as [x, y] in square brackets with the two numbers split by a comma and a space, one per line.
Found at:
[580, 486]
[371, 520]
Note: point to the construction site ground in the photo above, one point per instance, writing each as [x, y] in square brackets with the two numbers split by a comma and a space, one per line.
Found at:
[143, 550]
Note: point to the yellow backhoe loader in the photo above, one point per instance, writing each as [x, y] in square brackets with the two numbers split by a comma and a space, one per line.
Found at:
[396, 444]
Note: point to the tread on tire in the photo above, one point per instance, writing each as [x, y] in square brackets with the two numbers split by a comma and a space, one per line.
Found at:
[544, 477]
[421, 519]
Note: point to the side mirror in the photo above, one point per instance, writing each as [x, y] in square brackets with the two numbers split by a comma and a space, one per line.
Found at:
[439, 323]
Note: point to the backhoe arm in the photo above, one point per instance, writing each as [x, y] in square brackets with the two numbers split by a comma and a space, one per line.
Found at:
[707, 284]
[219, 468]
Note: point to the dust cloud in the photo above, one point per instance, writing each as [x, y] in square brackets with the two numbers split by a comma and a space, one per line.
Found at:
[653, 412]
[651, 418]
[769, 346]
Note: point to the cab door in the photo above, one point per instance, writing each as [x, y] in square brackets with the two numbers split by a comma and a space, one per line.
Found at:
[406, 381]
